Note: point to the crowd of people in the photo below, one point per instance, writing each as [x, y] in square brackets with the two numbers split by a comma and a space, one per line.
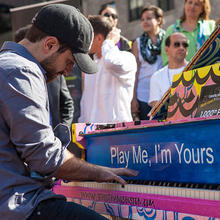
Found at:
[114, 93]
[120, 82]
[159, 55]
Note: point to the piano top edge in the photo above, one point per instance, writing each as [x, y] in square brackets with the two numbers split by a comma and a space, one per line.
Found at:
[130, 126]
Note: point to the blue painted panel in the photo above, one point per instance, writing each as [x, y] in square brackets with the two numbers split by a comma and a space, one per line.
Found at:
[188, 152]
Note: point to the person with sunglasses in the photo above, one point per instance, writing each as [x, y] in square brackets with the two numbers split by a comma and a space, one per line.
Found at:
[176, 50]
[194, 23]
[111, 12]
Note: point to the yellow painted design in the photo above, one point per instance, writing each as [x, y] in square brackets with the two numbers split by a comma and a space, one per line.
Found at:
[202, 72]
[74, 138]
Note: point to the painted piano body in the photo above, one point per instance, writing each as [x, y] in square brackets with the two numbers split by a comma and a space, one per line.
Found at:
[178, 153]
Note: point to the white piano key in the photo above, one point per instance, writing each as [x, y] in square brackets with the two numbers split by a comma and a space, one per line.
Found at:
[172, 191]
[142, 189]
[163, 191]
[183, 192]
[179, 192]
[206, 192]
[188, 193]
[197, 193]
[211, 194]
[201, 194]
[167, 191]
[192, 193]
[217, 195]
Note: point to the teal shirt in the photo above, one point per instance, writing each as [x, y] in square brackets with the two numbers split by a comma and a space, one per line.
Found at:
[209, 26]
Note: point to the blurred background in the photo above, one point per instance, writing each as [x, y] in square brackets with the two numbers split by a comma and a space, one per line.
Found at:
[17, 13]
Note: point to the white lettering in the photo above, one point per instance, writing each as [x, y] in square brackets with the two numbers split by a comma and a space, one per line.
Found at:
[196, 156]
[121, 157]
[165, 153]
[155, 147]
[136, 157]
[144, 156]
[179, 151]
[202, 151]
[210, 158]
[113, 154]
[127, 158]
[189, 155]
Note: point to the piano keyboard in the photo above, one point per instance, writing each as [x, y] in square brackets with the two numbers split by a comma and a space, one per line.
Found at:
[185, 192]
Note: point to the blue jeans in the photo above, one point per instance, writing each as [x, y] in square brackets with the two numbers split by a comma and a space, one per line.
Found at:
[59, 209]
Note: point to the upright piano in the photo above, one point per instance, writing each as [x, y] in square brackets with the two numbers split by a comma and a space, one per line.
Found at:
[177, 156]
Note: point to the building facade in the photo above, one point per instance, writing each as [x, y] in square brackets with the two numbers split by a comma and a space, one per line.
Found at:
[128, 10]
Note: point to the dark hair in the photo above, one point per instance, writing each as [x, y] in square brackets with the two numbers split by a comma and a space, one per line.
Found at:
[21, 32]
[107, 6]
[101, 25]
[158, 12]
[204, 15]
[167, 41]
[34, 34]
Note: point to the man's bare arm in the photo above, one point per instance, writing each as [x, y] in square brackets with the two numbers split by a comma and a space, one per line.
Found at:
[75, 169]
[153, 103]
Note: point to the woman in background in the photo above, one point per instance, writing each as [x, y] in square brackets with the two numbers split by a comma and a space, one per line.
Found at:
[147, 50]
[111, 12]
[195, 24]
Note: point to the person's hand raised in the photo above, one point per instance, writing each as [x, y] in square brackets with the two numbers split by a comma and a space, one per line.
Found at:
[114, 35]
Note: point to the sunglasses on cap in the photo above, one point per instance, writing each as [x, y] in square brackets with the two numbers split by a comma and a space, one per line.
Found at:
[177, 44]
[114, 16]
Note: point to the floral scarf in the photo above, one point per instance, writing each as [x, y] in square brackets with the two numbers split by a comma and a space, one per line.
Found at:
[146, 43]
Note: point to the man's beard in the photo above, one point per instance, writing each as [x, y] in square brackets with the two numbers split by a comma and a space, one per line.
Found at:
[48, 65]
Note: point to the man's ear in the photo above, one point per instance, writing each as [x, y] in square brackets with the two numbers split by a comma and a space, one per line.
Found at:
[51, 44]
[100, 38]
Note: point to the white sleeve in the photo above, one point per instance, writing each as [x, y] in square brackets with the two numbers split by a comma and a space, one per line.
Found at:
[117, 62]
[154, 89]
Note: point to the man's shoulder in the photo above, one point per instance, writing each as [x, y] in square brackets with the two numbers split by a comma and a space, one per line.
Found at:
[158, 75]
[15, 64]
[18, 57]
[11, 61]
[160, 71]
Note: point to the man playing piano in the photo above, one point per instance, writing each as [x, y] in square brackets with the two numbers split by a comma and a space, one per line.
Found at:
[30, 153]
